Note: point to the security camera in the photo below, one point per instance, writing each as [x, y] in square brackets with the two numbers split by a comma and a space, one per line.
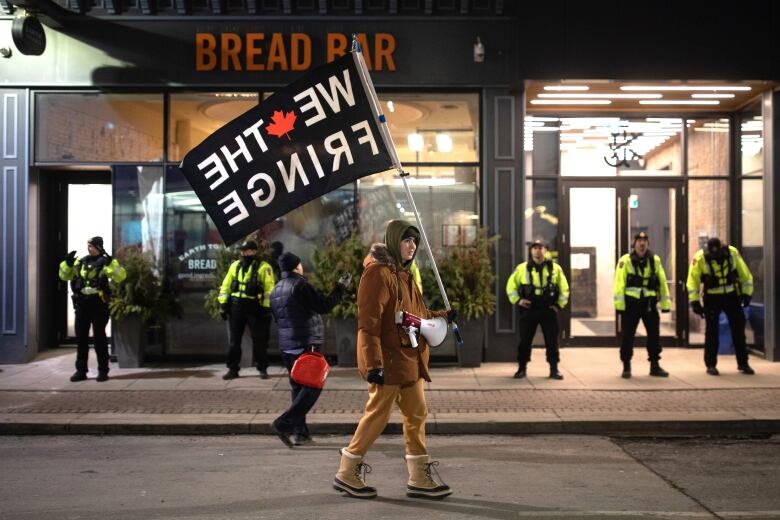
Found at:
[479, 51]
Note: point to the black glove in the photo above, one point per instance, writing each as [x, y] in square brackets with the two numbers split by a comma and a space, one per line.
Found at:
[665, 311]
[224, 311]
[452, 315]
[71, 258]
[376, 376]
[697, 308]
[746, 298]
[345, 280]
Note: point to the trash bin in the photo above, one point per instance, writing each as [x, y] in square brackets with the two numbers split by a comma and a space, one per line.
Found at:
[725, 342]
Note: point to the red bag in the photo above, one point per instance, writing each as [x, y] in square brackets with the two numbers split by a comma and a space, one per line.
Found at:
[310, 369]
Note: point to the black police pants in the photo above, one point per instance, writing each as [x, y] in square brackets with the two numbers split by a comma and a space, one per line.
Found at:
[303, 399]
[731, 305]
[529, 320]
[92, 312]
[640, 309]
[243, 312]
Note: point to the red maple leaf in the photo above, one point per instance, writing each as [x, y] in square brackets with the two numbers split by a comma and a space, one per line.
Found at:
[282, 124]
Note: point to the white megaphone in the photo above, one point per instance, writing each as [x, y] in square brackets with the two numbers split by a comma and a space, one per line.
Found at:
[434, 330]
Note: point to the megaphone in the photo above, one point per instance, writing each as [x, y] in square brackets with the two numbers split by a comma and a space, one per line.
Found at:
[434, 331]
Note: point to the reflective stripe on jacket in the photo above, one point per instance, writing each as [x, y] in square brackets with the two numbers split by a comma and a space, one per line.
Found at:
[700, 267]
[625, 267]
[520, 277]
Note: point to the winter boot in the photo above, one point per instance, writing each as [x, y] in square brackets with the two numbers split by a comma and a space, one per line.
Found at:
[554, 374]
[745, 369]
[713, 371]
[520, 374]
[348, 478]
[657, 371]
[421, 483]
[230, 374]
[78, 376]
[626, 370]
[102, 376]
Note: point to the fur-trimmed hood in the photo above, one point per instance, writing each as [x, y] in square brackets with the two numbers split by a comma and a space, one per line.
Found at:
[380, 254]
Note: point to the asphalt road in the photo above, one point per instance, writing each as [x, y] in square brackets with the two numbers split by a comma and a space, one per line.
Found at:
[495, 477]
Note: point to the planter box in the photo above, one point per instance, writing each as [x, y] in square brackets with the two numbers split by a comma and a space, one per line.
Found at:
[345, 332]
[473, 334]
[129, 337]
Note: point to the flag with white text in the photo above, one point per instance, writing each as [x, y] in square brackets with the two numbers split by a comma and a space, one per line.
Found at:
[307, 139]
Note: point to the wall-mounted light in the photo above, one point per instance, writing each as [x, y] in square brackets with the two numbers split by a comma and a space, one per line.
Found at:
[415, 142]
[444, 143]
[479, 51]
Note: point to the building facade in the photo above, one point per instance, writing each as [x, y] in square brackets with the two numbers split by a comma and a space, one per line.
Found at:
[95, 126]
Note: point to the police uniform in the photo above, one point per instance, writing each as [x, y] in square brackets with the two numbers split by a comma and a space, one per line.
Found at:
[545, 286]
[728, 286]
[89, 277]
[640, 285]
[244, 298]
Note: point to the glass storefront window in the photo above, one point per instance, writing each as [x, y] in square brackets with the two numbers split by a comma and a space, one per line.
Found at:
[541, 213]
[751, 139]
[708, 216]
[445, 196]
[98, 128]
[708, 147]
[609, 146]
[195, 116]
[429, 128]
[138, 209]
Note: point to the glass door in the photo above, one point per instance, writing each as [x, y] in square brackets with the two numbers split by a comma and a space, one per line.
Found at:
[600, 221]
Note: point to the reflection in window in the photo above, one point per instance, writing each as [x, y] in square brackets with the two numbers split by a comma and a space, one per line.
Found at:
[138, 209]
[433, 127]
[541, 213]
[195, 116]
[97, 127]
[603, 146]
[708, 147]
[751, 139]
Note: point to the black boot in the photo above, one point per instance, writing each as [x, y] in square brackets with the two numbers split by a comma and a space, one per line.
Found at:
[78, 376]
[520, 374]
[102, 376]
[745, 369]
[230, 374]
[263, 373]
[626, 370]
[713, 371]
[657, 371]
[554, 374]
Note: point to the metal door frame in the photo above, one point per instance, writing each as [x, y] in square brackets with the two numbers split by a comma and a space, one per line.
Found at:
[622, 186]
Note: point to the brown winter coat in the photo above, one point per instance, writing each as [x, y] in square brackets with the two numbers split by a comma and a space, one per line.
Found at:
[380, 342]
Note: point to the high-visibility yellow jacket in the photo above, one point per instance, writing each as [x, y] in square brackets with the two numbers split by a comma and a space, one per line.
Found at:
[719, 277]
[253, 281]
[89, 276]
[528, 283]
[416, 275]
[633, 284]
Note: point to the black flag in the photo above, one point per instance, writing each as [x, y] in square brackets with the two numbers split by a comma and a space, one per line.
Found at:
[307, 139]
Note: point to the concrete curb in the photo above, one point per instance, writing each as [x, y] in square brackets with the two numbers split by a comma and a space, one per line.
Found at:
[214, 427]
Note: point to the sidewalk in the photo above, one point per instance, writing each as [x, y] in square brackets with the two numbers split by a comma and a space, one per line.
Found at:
[592, 399]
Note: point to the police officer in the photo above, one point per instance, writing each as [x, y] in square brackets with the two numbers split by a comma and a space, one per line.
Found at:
[245, 299]
[539, 288]
[88, 277]
[728, 286]
[640, 284]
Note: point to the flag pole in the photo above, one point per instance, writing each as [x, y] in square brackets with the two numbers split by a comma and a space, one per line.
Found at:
[368, 85]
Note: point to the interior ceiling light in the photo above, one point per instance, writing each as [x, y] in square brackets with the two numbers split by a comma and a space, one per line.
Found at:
[415, 142]
[566, 87]
[444, 143]
[677, 102]
[685, 88]
[391, 106]
[570, 102]
[712, 96]
[604, 96]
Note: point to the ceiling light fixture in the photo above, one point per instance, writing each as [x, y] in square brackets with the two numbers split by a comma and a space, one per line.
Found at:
[602, 96]
[415, 142]
[712, 96]
[444, 143]
[570, 102]
[678, 102]
[684, 88]
[562, 88]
